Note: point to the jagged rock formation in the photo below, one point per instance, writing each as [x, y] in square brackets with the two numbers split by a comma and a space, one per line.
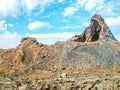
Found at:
[96, 31]
[71, 65]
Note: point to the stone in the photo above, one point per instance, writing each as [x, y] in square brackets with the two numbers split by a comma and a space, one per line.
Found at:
[96, 31]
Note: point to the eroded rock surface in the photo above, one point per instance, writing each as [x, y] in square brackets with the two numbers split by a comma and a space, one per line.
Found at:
[96, 31]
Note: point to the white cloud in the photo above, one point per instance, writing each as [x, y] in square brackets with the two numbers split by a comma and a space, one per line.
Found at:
[113, 21]
[2, 25]
[9, 35]
[29, 5]
[80, 3]
[109, 7]
[14, 8]
[51, 38]
[10, 25]
[102, 7]
[52, 35]
[69, 11]
[9, 40]
[61, 1]
[91, 4]
[71, 27]
[38, 24]
[45, 2]
[85, 24]
[88, 3]
[9, 8]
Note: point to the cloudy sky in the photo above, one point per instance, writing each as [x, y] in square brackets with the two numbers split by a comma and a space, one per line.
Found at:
[52, 20]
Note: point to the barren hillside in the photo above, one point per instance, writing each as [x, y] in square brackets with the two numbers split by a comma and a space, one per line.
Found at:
[84, 62]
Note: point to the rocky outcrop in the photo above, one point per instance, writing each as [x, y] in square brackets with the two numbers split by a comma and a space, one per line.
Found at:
[25, 56]
[96, 31]
[73, 54]
[69, 65]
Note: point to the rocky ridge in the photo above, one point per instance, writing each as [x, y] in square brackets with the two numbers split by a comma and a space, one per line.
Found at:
[89, 61]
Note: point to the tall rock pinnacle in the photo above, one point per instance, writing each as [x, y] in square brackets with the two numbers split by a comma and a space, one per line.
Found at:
[97, 30]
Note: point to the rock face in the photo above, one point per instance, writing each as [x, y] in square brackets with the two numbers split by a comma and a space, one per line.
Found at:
[23, 57]
[89, 61]
[96, 31]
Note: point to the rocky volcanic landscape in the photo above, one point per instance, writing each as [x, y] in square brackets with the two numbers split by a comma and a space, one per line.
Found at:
[90, 61]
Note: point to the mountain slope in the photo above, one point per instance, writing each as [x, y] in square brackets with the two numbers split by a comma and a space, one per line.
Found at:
[78, 53]
[95, 52]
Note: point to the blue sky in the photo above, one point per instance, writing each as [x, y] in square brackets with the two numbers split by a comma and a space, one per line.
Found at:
[52, 20]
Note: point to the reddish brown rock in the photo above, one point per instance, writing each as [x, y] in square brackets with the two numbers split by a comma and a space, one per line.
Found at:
[96, 31]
